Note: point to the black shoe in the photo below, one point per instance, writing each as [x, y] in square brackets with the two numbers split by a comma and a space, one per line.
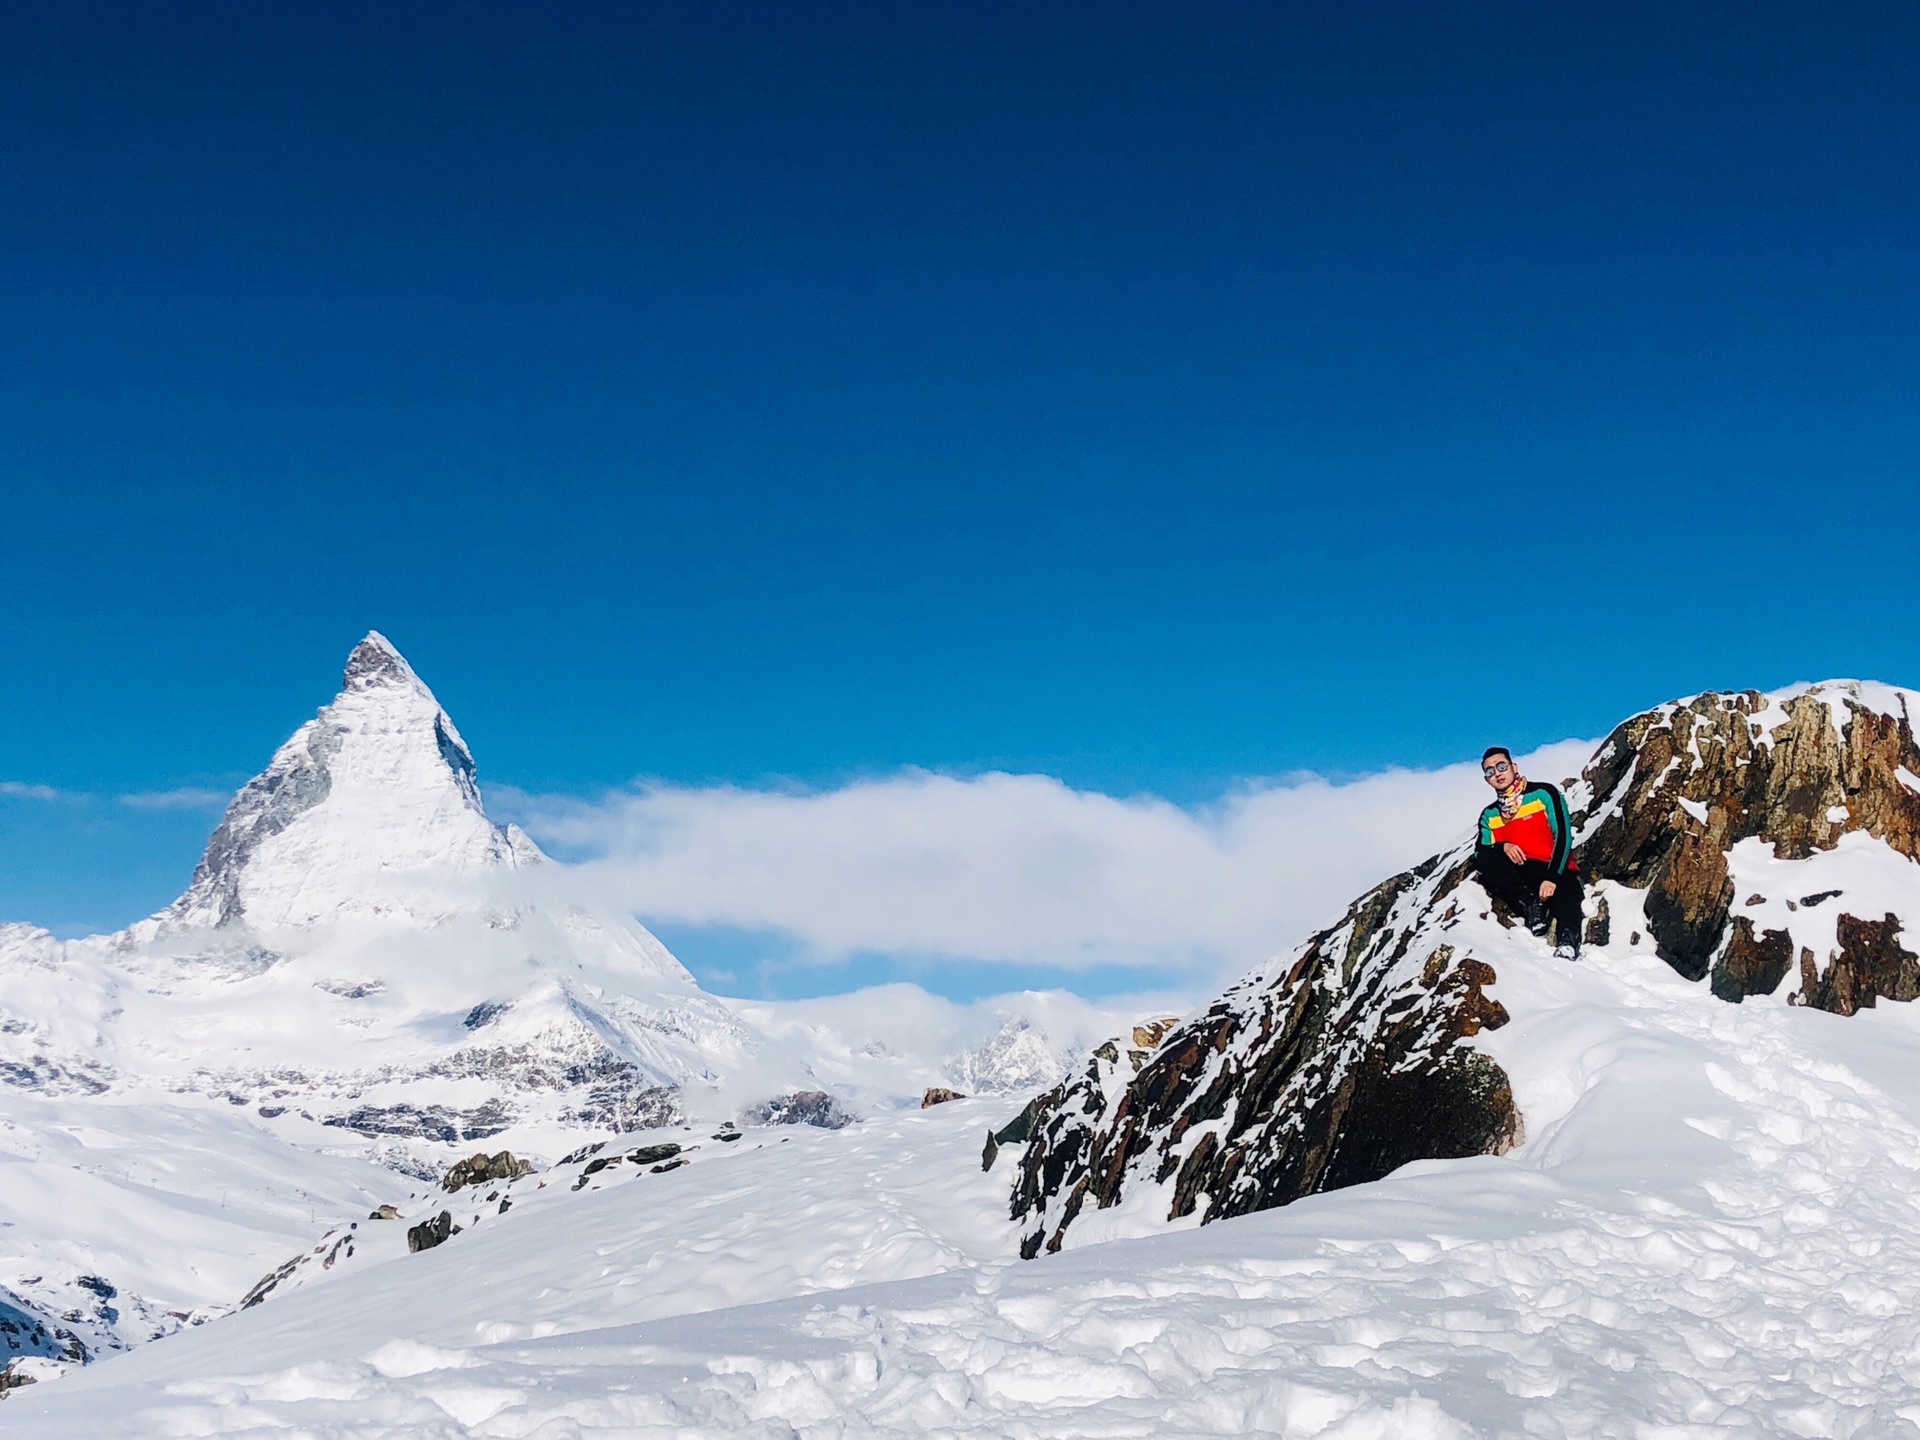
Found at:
[1537, 917]
[1566, 950]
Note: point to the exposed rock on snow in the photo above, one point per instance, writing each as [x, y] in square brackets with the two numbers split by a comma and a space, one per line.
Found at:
[1353, 1056]
[481, 1168]
[1693, 794]
[429, 1233]
[1335, 1066]
[23, 1333]
[803, 1107]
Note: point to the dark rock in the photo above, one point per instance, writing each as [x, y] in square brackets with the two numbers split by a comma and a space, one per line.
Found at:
[385, 1212]
[1333, 1067]
[1812, 900]
[990, 1152]
[670, 1165]
[24, 1333]
[435, 1122]
[1353, 1055]
[479, 1169]
[1750, 966]
[938, 1095]
[653, 1154]
[803, 1107]
[1600, 923]
[429, 1233]
[583, 1152]
[1871, 965]
[267, 1283]
[484, 1013]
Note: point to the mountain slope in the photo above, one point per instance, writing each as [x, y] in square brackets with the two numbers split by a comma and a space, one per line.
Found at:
[1710, 1229]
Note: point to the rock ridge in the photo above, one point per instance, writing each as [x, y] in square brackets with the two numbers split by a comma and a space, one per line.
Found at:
[1356, 1053]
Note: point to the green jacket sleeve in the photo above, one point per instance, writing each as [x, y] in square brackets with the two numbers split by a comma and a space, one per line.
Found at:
[1562, 828]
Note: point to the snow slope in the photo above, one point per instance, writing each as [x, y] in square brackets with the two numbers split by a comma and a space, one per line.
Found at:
[1712, 1229]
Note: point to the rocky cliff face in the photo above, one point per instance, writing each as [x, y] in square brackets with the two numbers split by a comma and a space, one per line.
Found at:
[1734, 812]
[1333, 1066]
[1760, 837]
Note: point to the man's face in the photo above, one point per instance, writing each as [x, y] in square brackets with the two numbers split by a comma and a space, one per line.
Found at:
[1497, 771]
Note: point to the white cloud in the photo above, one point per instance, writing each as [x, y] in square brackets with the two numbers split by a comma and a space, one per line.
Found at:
[22, 791]
[1018, 868]
[185, 797]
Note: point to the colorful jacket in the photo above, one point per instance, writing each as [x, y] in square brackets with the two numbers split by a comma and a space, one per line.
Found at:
[1539, 826]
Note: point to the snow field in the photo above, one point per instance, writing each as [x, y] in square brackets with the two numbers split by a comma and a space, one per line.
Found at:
[1713, 1230]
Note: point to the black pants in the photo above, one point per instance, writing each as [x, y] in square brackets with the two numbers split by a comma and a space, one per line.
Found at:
[1518, 884]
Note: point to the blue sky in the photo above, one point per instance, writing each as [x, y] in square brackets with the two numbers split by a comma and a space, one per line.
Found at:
[1153, 397]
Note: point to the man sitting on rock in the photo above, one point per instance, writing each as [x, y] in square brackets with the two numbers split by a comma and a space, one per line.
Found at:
[1525, 854]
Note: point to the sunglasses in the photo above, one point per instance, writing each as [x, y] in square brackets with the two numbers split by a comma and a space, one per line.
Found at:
[1499, 768]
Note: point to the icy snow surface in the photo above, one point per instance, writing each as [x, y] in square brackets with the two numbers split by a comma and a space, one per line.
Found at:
[1713, 1229]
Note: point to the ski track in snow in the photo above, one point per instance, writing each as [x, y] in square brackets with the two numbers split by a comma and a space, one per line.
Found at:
[1714, 1230]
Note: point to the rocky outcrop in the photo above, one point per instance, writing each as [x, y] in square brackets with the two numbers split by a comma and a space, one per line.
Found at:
[429, 1233]
[25, 1334]
[1675, 790]
[938, 1095]
[431, 1122]
[1871, 963]
[803, 1107]
[1355, 1054]
[479, 1169]
[1336, 1066]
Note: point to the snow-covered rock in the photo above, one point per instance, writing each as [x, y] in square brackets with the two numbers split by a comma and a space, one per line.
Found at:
[1774, 836]
[1742, 837]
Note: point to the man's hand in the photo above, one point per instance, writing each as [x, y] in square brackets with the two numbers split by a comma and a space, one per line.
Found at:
[1515, 853]
[1546, 889]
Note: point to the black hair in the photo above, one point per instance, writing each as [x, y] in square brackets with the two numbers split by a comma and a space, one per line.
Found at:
[1493, 750]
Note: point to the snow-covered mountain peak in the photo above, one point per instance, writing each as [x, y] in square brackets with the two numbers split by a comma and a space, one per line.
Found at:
[376, 788]
[376, 662]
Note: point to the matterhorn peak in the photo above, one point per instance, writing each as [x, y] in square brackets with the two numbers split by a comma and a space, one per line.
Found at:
[377, 785]
[376, 662]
